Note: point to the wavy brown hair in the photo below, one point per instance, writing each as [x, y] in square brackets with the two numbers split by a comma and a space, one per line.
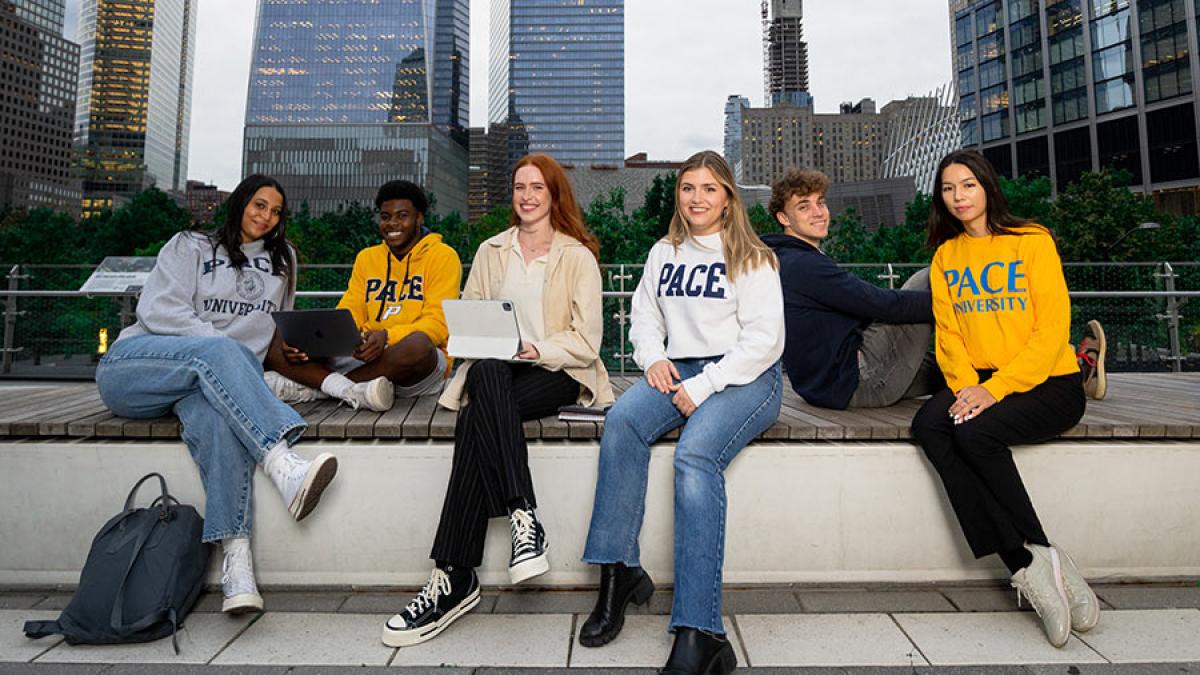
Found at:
[743, 250]
[944, 226]
[565, 215]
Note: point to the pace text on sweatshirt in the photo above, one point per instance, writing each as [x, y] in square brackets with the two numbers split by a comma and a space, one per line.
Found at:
[686, 307]
[195, 291]
[1000, 303]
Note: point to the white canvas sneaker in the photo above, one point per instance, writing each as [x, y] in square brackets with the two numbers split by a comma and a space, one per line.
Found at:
[290, 391]
[237, 579]
[377, 394]
[301, 482]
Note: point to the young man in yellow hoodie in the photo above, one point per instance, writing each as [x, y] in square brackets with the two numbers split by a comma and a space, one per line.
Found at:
[395, 294]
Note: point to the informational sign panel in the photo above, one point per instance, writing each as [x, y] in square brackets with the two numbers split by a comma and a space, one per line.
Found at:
[119, 274]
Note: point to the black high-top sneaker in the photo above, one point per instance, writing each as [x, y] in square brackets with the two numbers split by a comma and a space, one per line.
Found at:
[529, 546]
[437, 606]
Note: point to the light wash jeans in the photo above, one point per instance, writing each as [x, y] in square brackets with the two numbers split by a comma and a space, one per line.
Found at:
[230, 418]
[714, 434]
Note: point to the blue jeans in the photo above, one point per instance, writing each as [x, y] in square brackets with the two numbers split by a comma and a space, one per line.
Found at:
[230, 418]
[714, 434]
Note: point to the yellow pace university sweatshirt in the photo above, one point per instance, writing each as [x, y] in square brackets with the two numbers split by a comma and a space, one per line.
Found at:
[404, 296]
[1000, 303]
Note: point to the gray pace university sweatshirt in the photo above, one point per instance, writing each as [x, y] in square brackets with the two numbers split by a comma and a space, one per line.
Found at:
[191, 292]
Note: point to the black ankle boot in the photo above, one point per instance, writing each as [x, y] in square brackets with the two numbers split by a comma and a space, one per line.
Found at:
[699, 653]
[618, 586]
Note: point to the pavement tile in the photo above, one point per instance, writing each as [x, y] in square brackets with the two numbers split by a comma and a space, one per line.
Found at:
[161, 669]
[999, 638]
[55, 601]
[563, 671]
[52, 669]
[825, 640]
[487, 639]
[20, 600]
[202, 636]
[759, 601]
[1150, 597]
[984, 600]
[371, 670]
[874, 601]
[209, 602]
[1147, 635]
[545, 602]
[1114, 669]
[319, 639]
[392, 602]
[14, 646]
[643, 643]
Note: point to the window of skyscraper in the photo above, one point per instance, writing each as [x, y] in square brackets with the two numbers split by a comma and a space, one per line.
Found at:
[1020, 9]
[1171, 141]
[1166, 68]
[1072, 155]
[962, 29]
[1033, 157]
[987, 18]
[1001, 159]
[1118, 148]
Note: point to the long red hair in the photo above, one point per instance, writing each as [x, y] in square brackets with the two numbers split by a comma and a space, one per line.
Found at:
[565, 215]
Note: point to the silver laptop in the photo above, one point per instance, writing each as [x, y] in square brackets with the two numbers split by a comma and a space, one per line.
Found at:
[482, 329]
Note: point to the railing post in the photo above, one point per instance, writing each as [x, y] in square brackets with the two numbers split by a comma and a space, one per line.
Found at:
[126, 315]
[1172, 317]
[621, 316]
[890, 275]
[10, 318]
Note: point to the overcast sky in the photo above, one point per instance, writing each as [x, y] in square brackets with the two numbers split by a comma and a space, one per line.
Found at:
[682, 59]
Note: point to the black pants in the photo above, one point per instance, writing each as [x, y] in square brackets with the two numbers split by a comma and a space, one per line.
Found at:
[491, 459]
[976, 465]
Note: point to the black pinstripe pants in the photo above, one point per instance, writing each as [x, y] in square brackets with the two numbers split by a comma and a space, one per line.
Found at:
[491, 460]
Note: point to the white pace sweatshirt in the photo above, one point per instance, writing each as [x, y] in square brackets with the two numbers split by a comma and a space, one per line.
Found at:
[686, 307]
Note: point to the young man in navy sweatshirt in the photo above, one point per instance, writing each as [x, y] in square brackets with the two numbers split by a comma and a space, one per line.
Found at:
[849, 343]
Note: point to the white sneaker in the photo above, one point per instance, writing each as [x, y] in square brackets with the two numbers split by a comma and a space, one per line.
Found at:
[1085, 606]
[1042, 584]
[529, 547]
[377, 394]
[237, 579]
[290, 391]
[301, 482]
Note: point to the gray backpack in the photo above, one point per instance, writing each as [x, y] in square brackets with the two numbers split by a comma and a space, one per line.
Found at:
[142, 576]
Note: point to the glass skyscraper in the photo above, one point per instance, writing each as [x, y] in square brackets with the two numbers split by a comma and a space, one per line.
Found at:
[557, 78]
[1060, 87]
[347, 95]
[134, 104]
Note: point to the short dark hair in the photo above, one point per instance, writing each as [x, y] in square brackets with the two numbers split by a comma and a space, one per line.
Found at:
[801, 182]
[403, 189]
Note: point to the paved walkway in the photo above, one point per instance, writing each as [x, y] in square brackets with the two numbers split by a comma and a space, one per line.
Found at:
[971, 629]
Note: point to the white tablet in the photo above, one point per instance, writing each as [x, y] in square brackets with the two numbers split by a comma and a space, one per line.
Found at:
[482, 329]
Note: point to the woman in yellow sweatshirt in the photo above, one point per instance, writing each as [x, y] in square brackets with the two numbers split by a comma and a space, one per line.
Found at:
[1002, 318]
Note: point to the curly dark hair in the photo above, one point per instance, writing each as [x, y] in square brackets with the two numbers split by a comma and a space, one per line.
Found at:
[801, 182]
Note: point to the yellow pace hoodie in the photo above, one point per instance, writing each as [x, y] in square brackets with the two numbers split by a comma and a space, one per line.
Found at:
[404, 295]
[1000, 303]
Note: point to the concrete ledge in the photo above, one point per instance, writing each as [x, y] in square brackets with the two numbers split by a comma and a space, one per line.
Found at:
[832, 512]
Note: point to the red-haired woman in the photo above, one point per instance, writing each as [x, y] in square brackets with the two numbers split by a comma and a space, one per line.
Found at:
[546, 263]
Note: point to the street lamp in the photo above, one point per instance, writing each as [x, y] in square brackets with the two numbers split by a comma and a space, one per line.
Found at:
[1141, 226]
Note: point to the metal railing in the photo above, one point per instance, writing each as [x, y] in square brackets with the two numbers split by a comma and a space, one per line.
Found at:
[1140, 305]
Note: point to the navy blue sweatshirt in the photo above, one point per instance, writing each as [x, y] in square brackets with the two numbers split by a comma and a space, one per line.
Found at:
[825, 310]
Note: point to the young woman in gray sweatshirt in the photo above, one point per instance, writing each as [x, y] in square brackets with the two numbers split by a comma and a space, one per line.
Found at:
[203, 328]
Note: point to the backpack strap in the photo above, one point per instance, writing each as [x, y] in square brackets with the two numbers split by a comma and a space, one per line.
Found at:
[117, 620]
[133, 493]
[40, 629]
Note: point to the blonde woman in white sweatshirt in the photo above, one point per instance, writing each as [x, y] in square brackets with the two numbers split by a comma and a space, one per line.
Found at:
[707, 329]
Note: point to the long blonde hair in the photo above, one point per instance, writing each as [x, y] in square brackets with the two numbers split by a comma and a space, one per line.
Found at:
[743, 250]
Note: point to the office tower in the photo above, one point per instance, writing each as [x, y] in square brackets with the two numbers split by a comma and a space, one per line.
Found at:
[1062, 87]
[846, 146]
[39, 69]
[490, 186]
[785, 54]
[134, 103]
[733, 133]
[557, 78]
[346, 96]
[203, 200]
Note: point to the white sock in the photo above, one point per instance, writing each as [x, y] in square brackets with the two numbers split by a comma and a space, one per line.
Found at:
[336, 385]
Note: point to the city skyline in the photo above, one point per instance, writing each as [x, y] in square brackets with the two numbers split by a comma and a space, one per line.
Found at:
[716, 44]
